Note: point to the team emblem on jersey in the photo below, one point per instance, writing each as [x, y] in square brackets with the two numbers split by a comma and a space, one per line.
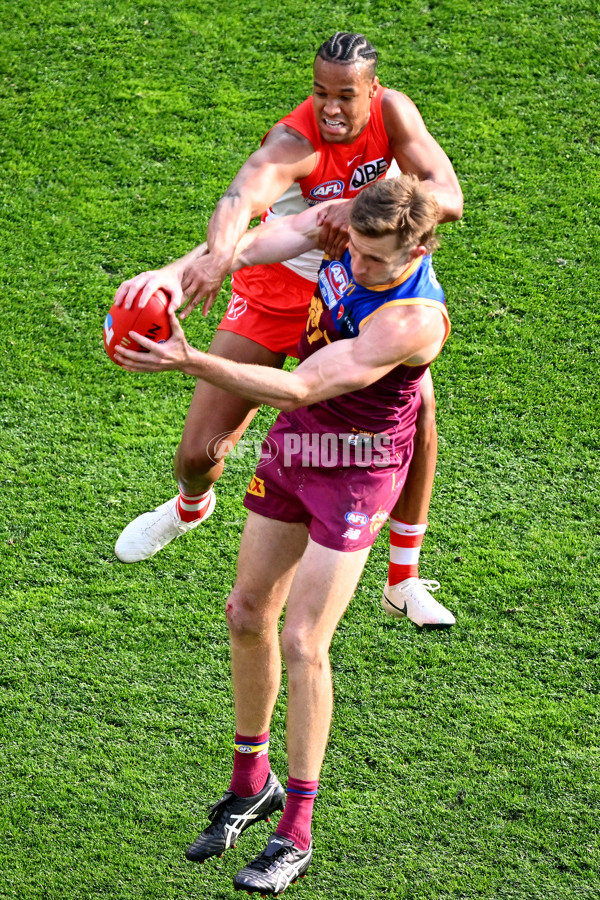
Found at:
[329, 190]
[367, 173]
[358, 519]
[333, 281]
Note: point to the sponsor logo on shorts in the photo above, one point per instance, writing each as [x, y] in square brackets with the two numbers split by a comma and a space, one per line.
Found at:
[367, 173]
[328, 190]
[377, 520]
[333, 281]
[359, 519]
[237, 306]
[352, 534]
[256, 487]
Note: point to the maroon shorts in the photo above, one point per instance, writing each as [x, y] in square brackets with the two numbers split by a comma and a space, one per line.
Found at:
[342, 491]
[269, 305]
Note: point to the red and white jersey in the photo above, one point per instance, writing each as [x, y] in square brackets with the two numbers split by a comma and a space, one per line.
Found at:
[340, 171]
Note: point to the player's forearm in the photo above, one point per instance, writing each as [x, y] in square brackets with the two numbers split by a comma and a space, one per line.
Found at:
[260, 384]
[328, 373]
[277, 240]
[228, 223]
[178, 266]
[230, 220]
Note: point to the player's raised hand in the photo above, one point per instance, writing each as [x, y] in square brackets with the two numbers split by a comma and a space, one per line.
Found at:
[146, 284]
[202, 279]
[333, 222]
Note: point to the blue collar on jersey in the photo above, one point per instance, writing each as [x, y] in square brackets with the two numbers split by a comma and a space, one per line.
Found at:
[350, 304]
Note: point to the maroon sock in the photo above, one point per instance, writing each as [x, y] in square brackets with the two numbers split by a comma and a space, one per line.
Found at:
[297, 815]
[251, 765]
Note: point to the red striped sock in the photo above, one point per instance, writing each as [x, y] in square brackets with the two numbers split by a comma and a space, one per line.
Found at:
[192, 506]
[297, 816]
[405, 548]
[251, 765]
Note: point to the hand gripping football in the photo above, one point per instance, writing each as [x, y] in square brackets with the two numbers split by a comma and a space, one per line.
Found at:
[152, 321]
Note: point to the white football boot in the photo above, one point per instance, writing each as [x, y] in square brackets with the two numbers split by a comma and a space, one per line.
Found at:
[411, 598]
[153, 530]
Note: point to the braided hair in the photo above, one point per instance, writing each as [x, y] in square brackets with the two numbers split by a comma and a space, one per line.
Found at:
[347, 48]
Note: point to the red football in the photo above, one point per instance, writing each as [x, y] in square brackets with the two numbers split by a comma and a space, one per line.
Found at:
[152, 321]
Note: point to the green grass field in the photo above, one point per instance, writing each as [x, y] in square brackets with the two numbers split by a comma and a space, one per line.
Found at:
[462, 764]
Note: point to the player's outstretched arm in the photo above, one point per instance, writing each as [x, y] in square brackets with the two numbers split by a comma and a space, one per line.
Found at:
[412, 334]
[417, 152]
[280, 239]
[275, 241]
[284, 157]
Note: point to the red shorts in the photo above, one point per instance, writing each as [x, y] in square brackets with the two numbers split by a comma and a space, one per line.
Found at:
[269, 305]
[342, 493]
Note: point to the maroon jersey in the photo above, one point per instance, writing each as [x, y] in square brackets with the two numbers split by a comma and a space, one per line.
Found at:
[338, 466]
[338, 310]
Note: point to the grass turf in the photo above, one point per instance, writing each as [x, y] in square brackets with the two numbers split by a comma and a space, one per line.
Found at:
[462, 764]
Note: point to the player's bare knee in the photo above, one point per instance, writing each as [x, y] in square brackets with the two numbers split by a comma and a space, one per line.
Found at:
[193, 460]
[302, 648]
[244, 614]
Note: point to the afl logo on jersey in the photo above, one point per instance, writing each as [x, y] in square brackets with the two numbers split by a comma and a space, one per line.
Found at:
[329, 190]
[338, 277]
[333, 281]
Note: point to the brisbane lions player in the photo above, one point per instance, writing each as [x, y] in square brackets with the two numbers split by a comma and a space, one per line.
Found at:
[377, 319]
